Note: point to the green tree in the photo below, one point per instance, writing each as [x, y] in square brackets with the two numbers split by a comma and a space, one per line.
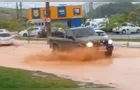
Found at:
[111, 9]
[138, 15]
[116, 20]
[132, 17]
[91, 14]
[84, 19]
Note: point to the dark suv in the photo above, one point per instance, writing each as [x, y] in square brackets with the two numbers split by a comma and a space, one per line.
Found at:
[81, 37]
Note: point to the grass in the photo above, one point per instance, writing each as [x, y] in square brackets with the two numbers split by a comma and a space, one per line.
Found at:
[9, 14]
[13, 11]
[17, 78]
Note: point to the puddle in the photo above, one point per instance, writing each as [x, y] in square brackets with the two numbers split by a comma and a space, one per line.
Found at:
[122, 69]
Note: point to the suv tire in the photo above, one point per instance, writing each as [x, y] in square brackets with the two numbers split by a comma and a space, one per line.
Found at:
[108, 53]
[55, 47]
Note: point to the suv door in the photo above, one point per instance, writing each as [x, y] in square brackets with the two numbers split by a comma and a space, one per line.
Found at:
[68, 41]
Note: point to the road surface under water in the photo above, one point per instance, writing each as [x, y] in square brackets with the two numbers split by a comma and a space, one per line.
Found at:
[121, 70]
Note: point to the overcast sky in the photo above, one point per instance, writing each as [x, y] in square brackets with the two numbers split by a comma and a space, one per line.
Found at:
[37, 4]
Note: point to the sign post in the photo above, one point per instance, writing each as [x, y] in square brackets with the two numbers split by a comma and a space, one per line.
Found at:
[48, 20]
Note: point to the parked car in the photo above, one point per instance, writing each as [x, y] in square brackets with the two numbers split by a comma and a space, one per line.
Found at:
[54, 33]
[3, 30]
[81, 37]
[34, 31]
[6, 38]
[101, 33]
[127, 28]
[94, 25]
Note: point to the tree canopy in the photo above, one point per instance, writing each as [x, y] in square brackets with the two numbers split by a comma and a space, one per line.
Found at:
[112, 8]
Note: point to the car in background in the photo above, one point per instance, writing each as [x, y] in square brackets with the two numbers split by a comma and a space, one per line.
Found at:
[34, 31]
[6, 38]
[127, 28]
[101, 33]
[54, 33]
[3, 30]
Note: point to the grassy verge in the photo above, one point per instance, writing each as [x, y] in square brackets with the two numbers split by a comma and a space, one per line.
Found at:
[17, 78]
[130, 40]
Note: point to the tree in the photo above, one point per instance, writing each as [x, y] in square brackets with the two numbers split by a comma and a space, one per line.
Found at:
[132, 17]
[138, 15]
[91, 14]
[112, 8]
[116, 20]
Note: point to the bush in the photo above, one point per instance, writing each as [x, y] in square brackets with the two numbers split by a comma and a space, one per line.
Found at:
[13, 25]
[60, 25]
[115, 21]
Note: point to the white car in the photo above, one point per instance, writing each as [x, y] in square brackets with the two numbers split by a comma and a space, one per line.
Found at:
[94, 25]
[127, 28]
[34, 31]
[6, 38]
[3, 30]
[101, 33]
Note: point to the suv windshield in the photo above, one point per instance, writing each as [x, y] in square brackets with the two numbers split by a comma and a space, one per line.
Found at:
[85, 32]
[5, 35]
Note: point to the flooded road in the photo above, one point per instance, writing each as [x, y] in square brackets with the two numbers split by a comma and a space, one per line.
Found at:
[121, 70]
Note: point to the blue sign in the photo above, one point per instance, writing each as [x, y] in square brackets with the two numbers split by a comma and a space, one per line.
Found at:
[61, 11]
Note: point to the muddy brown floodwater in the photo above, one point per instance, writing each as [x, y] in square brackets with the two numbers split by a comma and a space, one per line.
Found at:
[121, 70]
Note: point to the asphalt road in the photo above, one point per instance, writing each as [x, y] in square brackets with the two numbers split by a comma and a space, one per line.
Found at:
[126, 36]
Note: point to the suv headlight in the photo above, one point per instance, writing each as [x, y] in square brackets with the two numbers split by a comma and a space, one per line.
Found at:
[89, 44]
[110, 41]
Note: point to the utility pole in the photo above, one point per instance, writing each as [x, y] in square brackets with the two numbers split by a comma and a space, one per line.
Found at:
[48, 20]
[17, 9]
[20, 4]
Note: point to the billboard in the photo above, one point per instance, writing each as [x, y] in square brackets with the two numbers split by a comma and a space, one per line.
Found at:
[56, 12]
[36, 13]
[61, 11]
[76, 11]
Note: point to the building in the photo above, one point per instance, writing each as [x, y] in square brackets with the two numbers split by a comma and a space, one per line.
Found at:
[71, 16]
[92, 5]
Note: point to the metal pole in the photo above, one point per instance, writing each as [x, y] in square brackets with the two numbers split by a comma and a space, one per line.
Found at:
[28, 34]
[20, 9]
[48, 23]
[17, 10]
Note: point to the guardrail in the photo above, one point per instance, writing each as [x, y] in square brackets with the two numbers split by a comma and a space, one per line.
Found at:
[132, 36]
